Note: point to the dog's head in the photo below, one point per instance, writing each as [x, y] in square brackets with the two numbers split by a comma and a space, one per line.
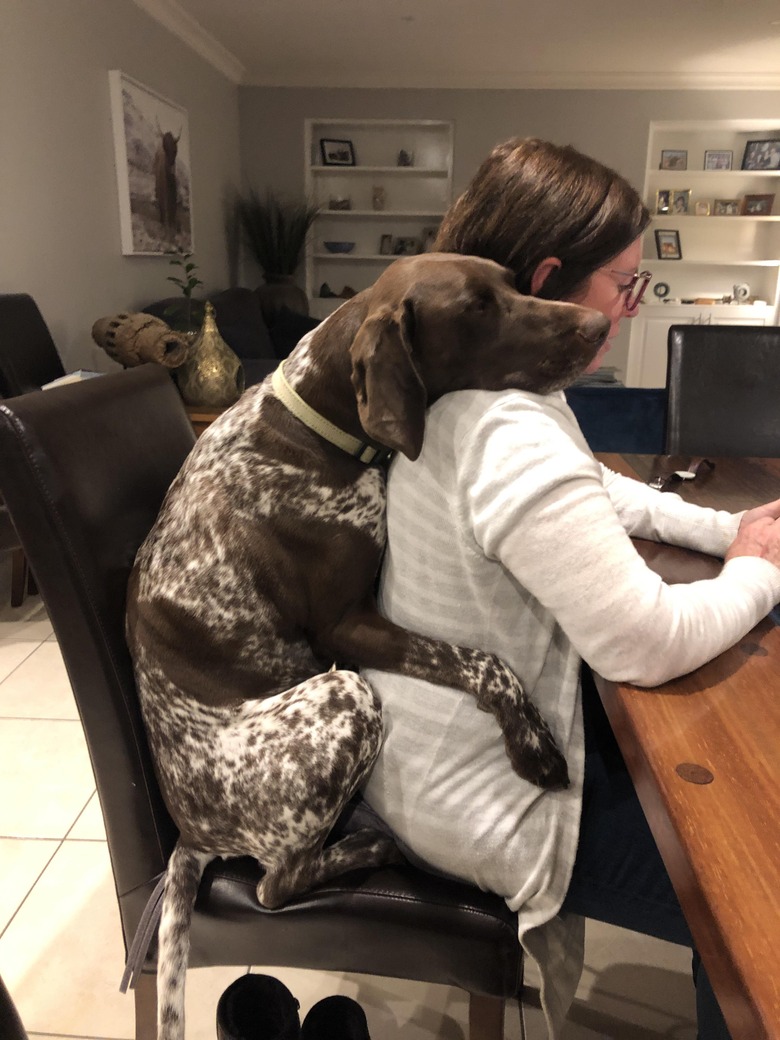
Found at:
[441, 322]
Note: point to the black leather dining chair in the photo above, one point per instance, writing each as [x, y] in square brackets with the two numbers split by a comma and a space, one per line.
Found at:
[84, 469]
[723, 390]
[28, 359]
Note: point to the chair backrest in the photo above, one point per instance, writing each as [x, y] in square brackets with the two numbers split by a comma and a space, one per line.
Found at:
[723, 386]
[28, 357]
[84, 469]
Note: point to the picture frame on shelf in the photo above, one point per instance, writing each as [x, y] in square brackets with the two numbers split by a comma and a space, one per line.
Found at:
[757, 205]
[702, 208]
[674, 159]
[762, 155]
[725, 207]
[406, 245]
[718, 159]
[662, 200]
[679, 202]
[667, 244]
[405, 157]
[336, 152]
[386, 245]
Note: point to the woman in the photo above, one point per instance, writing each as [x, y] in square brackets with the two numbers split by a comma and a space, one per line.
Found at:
[506, 534]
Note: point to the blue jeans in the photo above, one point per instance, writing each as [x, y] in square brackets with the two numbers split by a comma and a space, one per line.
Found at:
[619, 877]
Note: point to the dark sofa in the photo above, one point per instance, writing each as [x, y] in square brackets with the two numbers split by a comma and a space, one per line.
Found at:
[241, 324]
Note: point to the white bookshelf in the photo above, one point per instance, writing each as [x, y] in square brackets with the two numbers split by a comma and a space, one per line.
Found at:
[415, 197]
[718, 252]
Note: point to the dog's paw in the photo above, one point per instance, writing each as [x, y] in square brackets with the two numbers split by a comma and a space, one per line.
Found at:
[536, 758]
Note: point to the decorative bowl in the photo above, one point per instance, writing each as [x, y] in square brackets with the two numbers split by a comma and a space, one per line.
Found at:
[339, 247]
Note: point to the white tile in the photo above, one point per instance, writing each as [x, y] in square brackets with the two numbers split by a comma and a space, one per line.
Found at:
[11, 656]
[21, 862]
[33, 630]
[62, 956]
[39, 687]
[45, 777]
[89, 826]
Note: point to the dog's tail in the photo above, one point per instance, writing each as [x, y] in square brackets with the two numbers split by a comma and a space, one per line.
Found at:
[185, 869]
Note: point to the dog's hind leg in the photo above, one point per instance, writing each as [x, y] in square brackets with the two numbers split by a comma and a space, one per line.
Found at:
[185, 869]
[304, 870]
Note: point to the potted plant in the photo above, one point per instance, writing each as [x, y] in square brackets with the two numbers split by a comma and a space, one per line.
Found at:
[186, 315]
[274, 232]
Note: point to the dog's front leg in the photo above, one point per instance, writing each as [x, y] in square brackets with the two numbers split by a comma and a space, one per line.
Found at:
[367, 640]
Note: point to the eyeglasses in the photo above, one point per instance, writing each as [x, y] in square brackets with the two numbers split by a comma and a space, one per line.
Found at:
[635, 288]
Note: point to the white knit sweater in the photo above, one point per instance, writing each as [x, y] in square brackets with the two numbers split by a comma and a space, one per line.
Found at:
[507, 535]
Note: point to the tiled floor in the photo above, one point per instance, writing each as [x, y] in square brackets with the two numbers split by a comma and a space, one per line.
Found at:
[60, 948]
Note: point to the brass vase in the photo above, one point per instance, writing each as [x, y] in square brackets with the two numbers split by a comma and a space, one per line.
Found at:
[212, 376]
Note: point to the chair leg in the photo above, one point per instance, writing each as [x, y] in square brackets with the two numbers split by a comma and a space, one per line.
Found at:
[146, 1007]
[486, 1017]
[18, 577]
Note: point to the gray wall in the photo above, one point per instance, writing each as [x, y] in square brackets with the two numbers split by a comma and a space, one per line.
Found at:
[59, 218]
[610, 125]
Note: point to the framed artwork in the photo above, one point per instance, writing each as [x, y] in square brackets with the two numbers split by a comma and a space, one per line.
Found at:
[725, 207]
[662, 200]
[702, 208]
[757, 205]
[718, 159]
[762, 155]
[152, 155]
[680, 202]
[336, 153]
[674, 159]
[386, 245]
[667, 244]
[406, 246]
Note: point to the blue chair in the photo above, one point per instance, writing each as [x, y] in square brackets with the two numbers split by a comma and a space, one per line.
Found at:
[626, 419]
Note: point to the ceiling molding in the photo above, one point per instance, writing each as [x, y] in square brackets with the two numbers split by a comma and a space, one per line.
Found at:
[174, 18]
[327, 78]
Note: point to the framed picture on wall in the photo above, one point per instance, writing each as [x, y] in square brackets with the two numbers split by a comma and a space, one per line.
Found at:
[674, 159]
[152, 156]
[718, 159]
[762, 155]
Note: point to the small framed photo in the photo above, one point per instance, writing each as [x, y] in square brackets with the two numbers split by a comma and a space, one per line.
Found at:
[757, 205]
[662, 200]
[674, 159]
[336, 153]
[762, 155]
[406, 246]
[386, 245]
[718, 159]
[726, 207]
[667, 244]
[680, 202]
[702, 208]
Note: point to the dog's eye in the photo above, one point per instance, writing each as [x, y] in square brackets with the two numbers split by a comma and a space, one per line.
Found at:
[483, 301]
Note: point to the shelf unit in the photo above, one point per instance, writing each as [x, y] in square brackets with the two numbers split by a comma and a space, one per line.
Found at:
[415, 197]
[718, 252]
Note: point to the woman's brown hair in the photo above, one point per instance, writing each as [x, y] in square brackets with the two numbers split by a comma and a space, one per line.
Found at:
[531, 200]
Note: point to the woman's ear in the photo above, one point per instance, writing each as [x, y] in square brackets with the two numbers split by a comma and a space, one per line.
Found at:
[542, 273]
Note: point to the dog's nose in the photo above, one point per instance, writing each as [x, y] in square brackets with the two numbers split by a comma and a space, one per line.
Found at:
[594, 327]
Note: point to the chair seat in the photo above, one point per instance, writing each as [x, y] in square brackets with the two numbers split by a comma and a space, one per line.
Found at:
[402, 921]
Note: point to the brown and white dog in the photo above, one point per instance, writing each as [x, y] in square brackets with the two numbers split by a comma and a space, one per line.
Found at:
[258, 577]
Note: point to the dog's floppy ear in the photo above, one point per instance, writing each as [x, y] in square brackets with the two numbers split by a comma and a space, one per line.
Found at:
[391, 396]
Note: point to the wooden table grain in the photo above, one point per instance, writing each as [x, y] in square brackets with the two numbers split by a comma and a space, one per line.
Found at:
[704, 754]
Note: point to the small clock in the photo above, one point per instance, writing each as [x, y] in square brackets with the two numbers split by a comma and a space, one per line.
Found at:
[661, 289]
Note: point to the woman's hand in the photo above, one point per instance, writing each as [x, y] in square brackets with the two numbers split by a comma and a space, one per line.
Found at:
[759, 536]
[771, 510]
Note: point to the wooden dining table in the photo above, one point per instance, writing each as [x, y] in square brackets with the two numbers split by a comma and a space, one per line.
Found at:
[704, 754]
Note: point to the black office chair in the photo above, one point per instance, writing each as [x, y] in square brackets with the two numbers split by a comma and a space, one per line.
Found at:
[723, 390]
[83, 494]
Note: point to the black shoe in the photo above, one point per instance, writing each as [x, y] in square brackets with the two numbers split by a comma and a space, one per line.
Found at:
[258, 1007]
[335, 1018]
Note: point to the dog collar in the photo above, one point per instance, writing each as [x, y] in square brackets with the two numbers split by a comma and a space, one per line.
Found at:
[293, 402]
